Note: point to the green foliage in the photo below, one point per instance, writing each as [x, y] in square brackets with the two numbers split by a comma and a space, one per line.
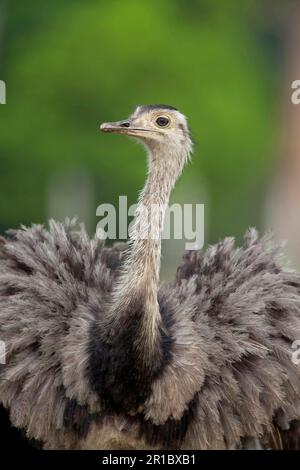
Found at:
[87, 62]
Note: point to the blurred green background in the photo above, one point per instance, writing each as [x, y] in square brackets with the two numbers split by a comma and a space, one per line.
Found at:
[70, 64]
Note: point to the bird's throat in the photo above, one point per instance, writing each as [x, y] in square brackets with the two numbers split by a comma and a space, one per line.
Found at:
[136, 292]
[132, 351]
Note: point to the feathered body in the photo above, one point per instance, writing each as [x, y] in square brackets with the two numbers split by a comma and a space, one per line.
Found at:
[100, 355]
[231, 316]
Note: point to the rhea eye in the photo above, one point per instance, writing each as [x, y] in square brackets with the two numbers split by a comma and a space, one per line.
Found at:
[162, 121]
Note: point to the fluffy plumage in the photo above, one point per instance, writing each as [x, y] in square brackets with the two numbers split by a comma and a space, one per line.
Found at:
[101, 355]
[231, 316]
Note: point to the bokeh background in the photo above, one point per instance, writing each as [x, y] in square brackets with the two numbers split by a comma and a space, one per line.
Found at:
[71, 64]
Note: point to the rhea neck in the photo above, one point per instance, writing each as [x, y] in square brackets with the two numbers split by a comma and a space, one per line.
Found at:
[135, 298]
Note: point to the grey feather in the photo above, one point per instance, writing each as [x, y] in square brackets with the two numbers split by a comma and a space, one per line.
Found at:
[234, 314]
[100, 355]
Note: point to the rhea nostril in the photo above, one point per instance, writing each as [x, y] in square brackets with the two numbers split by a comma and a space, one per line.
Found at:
[125, 124]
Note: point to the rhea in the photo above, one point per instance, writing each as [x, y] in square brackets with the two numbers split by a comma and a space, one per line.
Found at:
[101, 355]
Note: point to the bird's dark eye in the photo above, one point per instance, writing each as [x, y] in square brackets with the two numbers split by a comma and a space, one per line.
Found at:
[162, 121]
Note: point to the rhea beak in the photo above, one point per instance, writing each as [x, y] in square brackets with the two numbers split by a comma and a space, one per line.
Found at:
[121, 127]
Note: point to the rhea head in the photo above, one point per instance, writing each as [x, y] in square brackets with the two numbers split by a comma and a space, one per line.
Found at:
[161, 128]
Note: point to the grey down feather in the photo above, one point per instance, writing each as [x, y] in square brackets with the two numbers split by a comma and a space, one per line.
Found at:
[231, 317]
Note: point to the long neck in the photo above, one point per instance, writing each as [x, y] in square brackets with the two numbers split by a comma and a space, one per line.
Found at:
[128, 349]
[135, 295]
